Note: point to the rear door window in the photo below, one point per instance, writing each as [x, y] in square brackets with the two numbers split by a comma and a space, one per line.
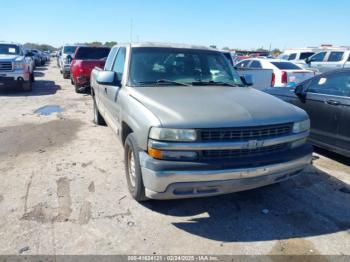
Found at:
[335, 56]
[286, 66]
[255, 64]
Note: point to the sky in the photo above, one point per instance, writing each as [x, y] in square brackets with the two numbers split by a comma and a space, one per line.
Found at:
[244, 24]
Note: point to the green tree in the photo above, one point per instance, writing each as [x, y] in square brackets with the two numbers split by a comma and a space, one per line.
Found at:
[42, 47]
[110, 43]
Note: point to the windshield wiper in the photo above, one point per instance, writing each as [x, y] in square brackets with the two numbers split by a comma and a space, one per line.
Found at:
[220, 83]
[163, 81]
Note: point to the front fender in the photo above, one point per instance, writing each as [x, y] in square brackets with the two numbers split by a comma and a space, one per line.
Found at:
[139, 118]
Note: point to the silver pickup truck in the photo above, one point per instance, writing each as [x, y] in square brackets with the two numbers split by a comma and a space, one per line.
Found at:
[16, 70]
[191, 127]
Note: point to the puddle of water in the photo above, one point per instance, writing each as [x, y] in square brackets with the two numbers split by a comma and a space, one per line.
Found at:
[48, 110]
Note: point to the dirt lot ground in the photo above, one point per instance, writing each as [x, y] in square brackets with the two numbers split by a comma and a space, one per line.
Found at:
[63, 191]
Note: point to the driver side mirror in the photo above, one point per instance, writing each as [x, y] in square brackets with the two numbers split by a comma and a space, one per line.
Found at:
[300, 91]
[247, 80]
[308, 60]
[108, 78]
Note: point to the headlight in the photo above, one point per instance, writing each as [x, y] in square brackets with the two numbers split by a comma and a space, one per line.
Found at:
[302, 126]
[18, 65]
[169, 134]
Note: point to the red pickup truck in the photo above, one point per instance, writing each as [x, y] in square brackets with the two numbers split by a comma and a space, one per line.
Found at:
[85, 59]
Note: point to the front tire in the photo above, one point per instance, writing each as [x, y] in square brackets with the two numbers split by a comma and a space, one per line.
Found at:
[65, 75]
[133, 169]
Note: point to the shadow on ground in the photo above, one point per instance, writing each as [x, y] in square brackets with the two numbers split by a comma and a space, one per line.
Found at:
[312, 204]
[41, 68]
[334, 156]
[40, 88]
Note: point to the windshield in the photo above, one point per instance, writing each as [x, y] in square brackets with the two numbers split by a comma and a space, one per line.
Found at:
[286, 66]
[92, 53]
[69, 49]
[184, 66]
[9, 49]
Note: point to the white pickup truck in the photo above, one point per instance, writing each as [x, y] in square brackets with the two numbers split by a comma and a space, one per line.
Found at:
[15, 68]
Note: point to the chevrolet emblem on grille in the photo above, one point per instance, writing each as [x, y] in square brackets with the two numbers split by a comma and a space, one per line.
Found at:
[254, 144]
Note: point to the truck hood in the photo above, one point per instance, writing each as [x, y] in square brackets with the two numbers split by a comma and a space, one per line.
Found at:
[10, 57]
[213, 106]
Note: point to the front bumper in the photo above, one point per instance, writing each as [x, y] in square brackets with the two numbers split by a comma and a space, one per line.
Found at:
[13, 79]
[165, 180]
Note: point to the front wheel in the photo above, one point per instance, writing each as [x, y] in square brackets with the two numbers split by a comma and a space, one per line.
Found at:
[133, 169]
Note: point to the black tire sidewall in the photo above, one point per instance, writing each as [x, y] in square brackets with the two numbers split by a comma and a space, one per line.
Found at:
[137, 192]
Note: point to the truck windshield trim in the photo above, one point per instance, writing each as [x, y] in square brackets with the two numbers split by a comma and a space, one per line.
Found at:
[181, 66]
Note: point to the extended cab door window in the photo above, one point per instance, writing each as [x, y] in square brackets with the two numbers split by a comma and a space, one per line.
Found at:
[118, 66]
[110, 59]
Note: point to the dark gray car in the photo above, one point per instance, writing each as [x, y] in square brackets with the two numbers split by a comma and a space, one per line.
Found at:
[326, 98]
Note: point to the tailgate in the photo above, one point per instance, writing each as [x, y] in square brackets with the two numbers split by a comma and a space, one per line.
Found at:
[88, 65]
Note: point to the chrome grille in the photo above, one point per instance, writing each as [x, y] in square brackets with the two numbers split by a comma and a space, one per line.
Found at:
[215, 154]
[5, 66]
[245, 133]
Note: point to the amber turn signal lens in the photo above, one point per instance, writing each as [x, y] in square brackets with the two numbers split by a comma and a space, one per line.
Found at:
[155, 153]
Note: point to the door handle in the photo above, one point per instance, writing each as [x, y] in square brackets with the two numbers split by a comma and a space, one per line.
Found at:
[333, 102]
